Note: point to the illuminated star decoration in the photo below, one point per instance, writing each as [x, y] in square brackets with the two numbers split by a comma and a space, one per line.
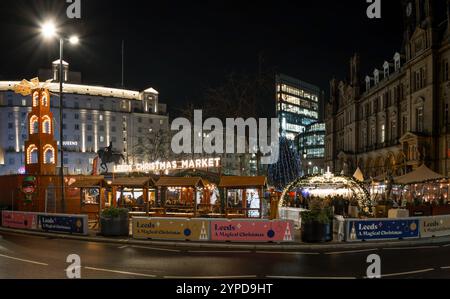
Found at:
[25, 87]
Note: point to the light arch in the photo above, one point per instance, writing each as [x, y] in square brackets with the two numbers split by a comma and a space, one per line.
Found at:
[49, 154]
[34, 125]
[46, 125]
[32, 154]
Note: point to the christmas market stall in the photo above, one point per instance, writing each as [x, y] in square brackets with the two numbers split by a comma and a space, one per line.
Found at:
[183, 196]
[138, 194]
[243, 196]
[424, 192]
[85, 195]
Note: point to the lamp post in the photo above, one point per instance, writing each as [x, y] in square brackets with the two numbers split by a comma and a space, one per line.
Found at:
[49, 31]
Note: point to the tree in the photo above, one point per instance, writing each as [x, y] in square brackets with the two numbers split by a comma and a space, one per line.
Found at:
[151, 146]
[288, 167]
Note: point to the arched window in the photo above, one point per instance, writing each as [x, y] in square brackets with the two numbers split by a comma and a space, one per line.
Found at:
[32, 154]
[35, 98]
[34, 125]
[45, 97]
[46, 125]
[49, 154]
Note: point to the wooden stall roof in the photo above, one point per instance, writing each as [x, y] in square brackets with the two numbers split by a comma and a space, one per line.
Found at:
[180, 182]
[242, 182]
[133, 182]
[87, 182]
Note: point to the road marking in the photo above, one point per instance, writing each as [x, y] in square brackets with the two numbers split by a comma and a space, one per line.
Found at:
[410, 248]
[122, 247]
[218, 251]
[351, 251]
[212, 277]
[121, 272]
[23, 260]
[289, 253]
[156, 248]
[445, 268]
[406, 273]
[446, 245]
[308, 277]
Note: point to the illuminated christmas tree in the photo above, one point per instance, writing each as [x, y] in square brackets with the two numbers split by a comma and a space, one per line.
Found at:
[288, 168]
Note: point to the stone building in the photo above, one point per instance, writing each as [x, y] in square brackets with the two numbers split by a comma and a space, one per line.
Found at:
[396, 118]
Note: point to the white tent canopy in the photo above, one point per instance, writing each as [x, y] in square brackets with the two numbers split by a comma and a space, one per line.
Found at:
[421, 174]
[358, 175]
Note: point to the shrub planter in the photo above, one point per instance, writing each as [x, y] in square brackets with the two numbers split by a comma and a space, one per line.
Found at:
[114, 222]
[316, 232]
[440, 210]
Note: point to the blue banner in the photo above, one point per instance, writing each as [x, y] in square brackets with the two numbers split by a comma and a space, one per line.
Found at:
[64, 224]
[359, 230]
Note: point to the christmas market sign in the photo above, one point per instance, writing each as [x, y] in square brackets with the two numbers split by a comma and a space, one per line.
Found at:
[252, 231]
[20, 220]
[168, 165]
[29, 187]
[171, 229]
[72, 224]
[382, 229]
[437, 226]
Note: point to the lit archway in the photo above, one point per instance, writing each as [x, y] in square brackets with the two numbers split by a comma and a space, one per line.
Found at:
[46, 125]
[35, 98]
[49, 154]
[45, 97]
[34, 125]
[328, 184]
[32, 154]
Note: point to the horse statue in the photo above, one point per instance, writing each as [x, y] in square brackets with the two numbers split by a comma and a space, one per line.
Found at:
[107, 155]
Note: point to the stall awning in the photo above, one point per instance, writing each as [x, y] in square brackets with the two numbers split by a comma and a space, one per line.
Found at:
[138, 182]
[241, 182]
[358, 175]
[180, 182]
[420, 175]
[86, 182]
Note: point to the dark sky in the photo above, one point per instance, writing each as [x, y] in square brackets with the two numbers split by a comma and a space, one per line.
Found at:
[182, 47]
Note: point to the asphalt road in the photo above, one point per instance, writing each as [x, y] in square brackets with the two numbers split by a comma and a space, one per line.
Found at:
[24, 256]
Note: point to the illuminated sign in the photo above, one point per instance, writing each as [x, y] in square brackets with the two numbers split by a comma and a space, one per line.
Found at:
[169, 165]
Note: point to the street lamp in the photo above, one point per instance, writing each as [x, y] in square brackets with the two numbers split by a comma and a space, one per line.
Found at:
[50, 31]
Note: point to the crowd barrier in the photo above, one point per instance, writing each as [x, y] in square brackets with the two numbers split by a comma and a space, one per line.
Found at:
[59, 223]
[217, 230]
[292, 214]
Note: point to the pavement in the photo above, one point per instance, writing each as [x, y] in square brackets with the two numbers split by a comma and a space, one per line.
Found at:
[94, 237]
[26, 256]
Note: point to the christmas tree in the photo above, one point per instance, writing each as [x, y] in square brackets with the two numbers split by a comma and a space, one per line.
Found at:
[288, 167]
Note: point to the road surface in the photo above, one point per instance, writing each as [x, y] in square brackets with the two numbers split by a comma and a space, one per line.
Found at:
[23, 256]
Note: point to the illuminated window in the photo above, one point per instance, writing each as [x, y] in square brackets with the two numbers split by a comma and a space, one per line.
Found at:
[32, 154]
[45, 99]
[35, 99]
[34, 125]
[46, 125]
[49, 154]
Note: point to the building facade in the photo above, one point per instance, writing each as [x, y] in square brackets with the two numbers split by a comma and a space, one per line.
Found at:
[93, 117]
[312, 149]
[298, 104]
[396, 118]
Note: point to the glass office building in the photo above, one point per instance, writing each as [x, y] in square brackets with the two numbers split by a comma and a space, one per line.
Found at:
[298, 105]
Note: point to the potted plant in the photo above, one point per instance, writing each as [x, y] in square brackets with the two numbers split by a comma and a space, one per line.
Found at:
[317, 223]
[114, 222]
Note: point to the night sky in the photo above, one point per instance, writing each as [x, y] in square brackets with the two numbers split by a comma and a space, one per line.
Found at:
[183, 47]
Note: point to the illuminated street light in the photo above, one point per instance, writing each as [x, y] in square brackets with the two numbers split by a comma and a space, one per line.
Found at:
[49, 31]
[74, 40]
